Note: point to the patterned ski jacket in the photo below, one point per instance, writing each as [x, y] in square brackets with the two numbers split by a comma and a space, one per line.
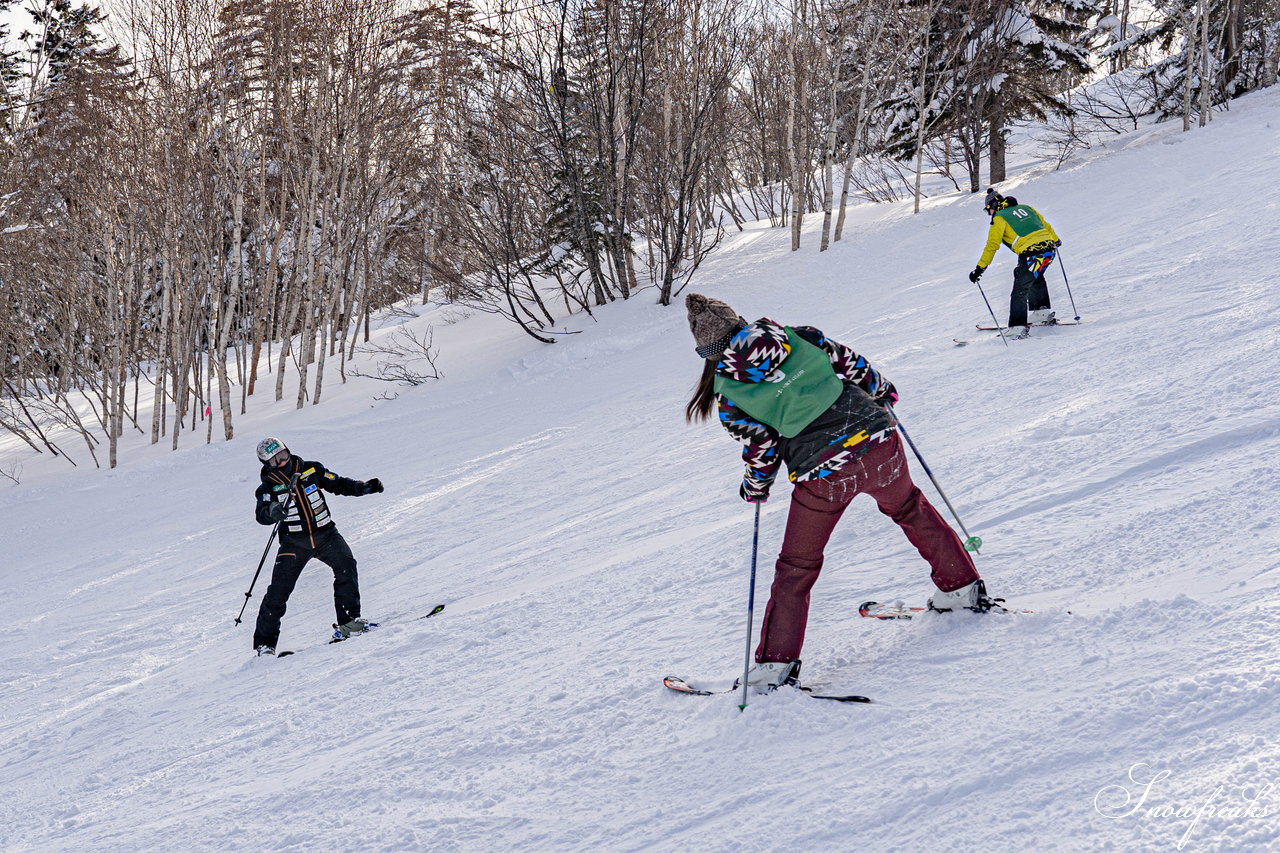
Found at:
[844, 431]
[1020, 227]
[308, 513]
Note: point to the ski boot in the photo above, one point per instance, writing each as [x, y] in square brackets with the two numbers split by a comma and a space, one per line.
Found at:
[358, 625]
[971, 597]
[770, 675]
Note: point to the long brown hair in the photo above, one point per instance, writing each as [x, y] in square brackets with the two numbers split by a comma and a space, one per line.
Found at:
[704, 394]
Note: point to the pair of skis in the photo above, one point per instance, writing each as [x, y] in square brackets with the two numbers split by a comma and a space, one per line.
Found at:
[679, 685]
[434, 611]
[868, 609]
[1026, 333]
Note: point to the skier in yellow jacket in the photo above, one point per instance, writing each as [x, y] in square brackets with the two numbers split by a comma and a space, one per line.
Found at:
[1026, 232]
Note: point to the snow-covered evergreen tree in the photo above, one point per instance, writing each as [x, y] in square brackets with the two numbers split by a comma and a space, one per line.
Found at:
[978, 67]
[1216, 50]
[12, 73]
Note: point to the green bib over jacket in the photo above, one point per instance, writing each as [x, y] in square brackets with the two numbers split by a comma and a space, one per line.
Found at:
[792, 395]
[1019, 227]
[1023, 219]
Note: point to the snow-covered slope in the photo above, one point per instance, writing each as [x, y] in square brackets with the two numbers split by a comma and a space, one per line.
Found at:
[1123, 474]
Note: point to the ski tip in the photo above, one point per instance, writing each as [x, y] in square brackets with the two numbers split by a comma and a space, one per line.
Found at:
[894, 610]
[679, 685]
[283, 654]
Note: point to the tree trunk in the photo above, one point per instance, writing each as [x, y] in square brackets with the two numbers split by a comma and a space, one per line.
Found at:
[829, 149]
[1189, 66]
[218, 358]
[798, 188]
[997, 145]
[920, 118]
[1121, 60]
[971, 152]
[162, 356]
[1206, 90]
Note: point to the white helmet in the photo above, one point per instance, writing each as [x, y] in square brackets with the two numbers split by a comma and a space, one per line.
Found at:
[269, 447]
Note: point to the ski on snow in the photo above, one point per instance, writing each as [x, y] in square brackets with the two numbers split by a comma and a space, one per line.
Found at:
[899, 610]
[960, 342]
[372, 625]
[433, 612]
[679, 685]
[964, 342]
[983, 328]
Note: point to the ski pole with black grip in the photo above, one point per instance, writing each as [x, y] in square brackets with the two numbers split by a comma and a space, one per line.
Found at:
[971, 543]
[994, 321]
[272, 538]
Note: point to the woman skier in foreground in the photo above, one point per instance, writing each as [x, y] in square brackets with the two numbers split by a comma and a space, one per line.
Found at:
[790, 394]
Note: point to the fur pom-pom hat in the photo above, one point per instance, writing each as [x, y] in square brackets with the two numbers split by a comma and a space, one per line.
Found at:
[713, 324]
[996, 202]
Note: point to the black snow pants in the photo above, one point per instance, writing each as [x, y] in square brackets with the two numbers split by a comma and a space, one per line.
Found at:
[1030, 290]
[294, 554]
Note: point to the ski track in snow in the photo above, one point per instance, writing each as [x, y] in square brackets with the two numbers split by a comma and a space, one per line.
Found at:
[586, 542]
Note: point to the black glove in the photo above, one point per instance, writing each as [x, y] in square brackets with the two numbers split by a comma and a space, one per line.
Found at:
[276, 512]
[976, 274]
[752, 494]
[1057, 244]
[372, 486]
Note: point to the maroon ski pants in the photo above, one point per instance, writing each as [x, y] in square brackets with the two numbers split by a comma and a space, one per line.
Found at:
[816, 506]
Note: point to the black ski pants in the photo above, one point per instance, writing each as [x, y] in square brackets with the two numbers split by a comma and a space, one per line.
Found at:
[1030, 290]
[295, 552]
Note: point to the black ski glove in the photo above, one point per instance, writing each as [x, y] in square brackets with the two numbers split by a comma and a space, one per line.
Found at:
[373, 486]
[752, 494]
[276, 512]
[976, 274]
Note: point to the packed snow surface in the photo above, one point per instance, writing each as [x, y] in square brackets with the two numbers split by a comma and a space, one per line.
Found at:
[1123, 473]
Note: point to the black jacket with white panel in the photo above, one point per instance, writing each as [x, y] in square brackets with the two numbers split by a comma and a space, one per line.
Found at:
[308, 513]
